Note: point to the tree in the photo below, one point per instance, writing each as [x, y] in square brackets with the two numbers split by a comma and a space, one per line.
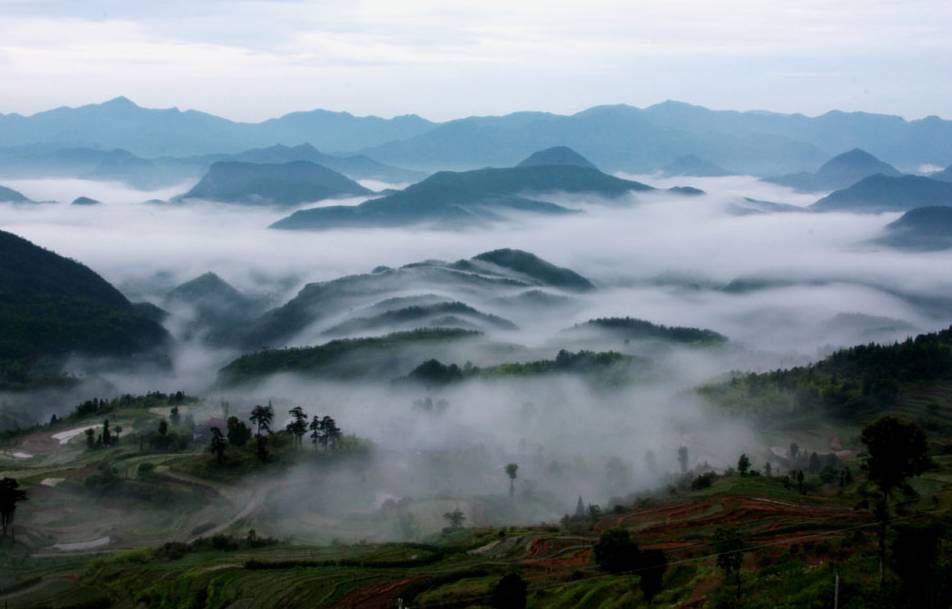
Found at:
[800, 480]
[653, 566]
[163, 428]
[10, 495]
[794, 451]
[456, 518]
[261, 447]
[90, 439]
[330, 432]
[743, 464]
[768, 469]
[218, 444]
[813, 465]
[683, 459]
[896, 450]
[262, 416]
[615, 551]
[729, 548]
[316, 430]
[580, 508]
[238, 432]
[512, 470]
[594, 512]
[298, 425]
[106, 433]
[510, 592]
[174, 416]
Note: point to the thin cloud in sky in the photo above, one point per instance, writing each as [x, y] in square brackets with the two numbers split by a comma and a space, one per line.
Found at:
[253, 60]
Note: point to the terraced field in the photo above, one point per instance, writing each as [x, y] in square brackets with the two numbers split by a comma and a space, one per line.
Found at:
[794, 541]
[790, 538]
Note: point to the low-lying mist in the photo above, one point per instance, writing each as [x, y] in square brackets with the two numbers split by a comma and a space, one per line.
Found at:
[784, 288]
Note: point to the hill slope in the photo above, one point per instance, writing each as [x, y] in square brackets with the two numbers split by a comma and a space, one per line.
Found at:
[476, 280]
[212, 304]
[557, 155]
[356, 167]
[536, 268]
[841, 171]
[468, 197]
[881, 193]
[51, 306]
[945, 175]
[284, 184]
[923, 228]
[851, 384]
[85, 201]
[8, 195]
[628, 328]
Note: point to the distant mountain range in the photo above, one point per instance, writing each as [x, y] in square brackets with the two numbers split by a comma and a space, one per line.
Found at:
[357, 167]
[120, 123]
[924, 228]
[841, 171]
[470, 197]
[945, 175]
[616, 138]
[691, 165]
[284, 184]
[118, 165]
[881, 193]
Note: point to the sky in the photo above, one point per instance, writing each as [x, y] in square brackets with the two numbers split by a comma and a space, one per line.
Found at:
[255, 59]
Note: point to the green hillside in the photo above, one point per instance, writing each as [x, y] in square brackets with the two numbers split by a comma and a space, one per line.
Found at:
[51, 306]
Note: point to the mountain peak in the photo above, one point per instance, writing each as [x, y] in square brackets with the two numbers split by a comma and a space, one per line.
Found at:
[119, 102]
[856, 154]
[858, 163]
[557, 155]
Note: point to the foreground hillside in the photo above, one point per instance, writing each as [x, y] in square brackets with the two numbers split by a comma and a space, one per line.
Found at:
[787, 522]
[51, 307]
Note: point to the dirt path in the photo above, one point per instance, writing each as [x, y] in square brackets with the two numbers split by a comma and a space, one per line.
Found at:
[254, 502]
[251, 504]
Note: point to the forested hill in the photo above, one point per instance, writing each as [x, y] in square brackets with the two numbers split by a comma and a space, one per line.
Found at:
[850, 384]
[51, 306]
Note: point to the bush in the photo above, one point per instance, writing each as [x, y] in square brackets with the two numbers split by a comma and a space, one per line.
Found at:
[172, 550]
[703, 481]
[615, 551]
[510, 592]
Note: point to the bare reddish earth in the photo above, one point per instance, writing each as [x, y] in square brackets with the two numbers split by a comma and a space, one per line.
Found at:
[663, 526]
[379, 596]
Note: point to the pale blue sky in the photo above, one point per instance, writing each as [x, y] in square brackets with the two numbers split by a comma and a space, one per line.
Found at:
[250, 60]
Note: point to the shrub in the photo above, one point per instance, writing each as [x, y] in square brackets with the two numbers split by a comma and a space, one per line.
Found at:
[703, 481]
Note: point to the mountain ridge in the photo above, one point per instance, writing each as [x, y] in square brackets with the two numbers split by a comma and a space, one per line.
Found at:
[616, 137]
